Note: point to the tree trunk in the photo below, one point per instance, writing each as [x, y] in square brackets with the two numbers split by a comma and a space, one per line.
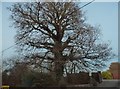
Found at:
[58, 67]
[58, 70]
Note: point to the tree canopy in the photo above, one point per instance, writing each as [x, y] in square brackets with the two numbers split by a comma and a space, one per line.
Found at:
[56, 33]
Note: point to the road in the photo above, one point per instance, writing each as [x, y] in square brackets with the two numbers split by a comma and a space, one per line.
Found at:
[110, 83]
[105, 83]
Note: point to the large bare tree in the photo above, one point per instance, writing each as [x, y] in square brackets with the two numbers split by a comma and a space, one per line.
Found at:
[58, 34]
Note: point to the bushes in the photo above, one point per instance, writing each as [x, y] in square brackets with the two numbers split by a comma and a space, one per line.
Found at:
[27, 78]
[106, 75]
[36, 79]
[44, 79]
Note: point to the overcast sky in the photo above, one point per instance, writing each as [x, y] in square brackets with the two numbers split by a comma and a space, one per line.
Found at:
[104, 14]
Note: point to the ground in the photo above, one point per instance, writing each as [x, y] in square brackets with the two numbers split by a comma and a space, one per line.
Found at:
[105, 83]
[110, 83]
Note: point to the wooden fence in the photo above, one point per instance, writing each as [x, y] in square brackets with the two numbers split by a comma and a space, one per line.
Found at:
[83, 78]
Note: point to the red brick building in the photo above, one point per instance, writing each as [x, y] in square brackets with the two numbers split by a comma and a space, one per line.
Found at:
[115, 70]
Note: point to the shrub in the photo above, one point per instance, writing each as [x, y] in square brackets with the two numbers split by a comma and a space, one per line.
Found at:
[106, 75]
[37, 79]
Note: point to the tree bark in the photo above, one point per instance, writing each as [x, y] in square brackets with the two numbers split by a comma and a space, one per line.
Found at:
[58, 67]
